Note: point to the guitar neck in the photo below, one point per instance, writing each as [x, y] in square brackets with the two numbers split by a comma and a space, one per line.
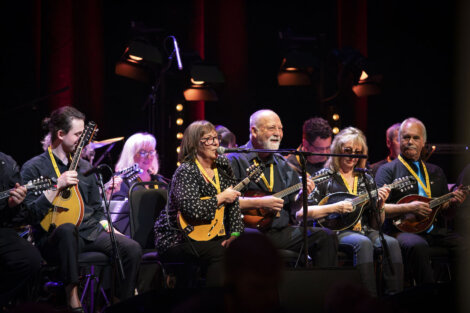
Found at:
[365, 196]
[445, 198]
[242, 184]
[288, 191]
[296, 187]
[5, 194]
[441, 200]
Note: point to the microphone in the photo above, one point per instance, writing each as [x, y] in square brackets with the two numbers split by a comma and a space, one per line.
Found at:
[361, 170]
[177, 52]
[93, 170]
[222, 150]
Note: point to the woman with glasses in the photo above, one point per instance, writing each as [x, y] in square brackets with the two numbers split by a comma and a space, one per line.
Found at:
[359, 239]
[138, 149]
[200, 185]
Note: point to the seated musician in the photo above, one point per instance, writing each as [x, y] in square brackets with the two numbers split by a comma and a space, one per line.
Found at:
[432, 183]
[361, 237]
[200, 185]
[139, 149]
[62, 244]
[20, 260]
[266, 133]
[316, 138]
[393, 145]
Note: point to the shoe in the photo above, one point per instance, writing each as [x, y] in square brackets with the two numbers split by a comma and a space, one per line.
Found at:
[76, 310]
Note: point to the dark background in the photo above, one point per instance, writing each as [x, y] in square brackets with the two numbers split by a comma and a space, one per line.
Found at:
[64, 52]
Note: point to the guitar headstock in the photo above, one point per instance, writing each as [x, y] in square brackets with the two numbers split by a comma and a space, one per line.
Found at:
[254, 172]
[40, 184]
[404, 183]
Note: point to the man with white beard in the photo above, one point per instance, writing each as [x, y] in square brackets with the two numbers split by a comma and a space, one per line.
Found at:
[266, 132]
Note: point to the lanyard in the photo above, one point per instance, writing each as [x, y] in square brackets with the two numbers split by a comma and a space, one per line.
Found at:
[427, 187]
[216, 174]
[354, 189]
[269, 185]
[54, 164]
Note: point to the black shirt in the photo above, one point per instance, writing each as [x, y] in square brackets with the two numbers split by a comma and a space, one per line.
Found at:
[311, 168]
[41, 165]
[284, 177]
[387, 173]
[20, 214]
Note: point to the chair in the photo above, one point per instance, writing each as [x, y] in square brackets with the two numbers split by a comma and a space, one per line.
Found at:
[145, 206]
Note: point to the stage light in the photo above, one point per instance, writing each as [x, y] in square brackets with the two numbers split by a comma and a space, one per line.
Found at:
[179, 107]
[179, 121]
[179, 135]
[335, 117]
[335, 130]
[203, 77]
[140, 61]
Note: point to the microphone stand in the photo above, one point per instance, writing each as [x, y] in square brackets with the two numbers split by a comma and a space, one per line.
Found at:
[301, 155]
[116, 258]
[376, 213]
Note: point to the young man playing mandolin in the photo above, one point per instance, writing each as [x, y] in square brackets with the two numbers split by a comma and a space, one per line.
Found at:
[266, 133]
[62, 241]
[432, 183]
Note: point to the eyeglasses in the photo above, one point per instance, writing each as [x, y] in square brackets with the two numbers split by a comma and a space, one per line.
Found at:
[144, 153]
[348, 150]
[208, 141]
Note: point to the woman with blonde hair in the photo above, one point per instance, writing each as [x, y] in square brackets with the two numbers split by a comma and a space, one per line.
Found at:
[359, 239]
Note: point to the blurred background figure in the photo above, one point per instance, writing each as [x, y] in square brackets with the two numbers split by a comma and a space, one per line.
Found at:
[227, 138]
[393, 145]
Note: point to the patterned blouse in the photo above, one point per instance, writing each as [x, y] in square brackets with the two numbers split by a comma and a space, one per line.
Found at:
[196, 199]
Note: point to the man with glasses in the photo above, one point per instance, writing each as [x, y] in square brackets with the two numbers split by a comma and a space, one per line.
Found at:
[266, 132]
[316, 138]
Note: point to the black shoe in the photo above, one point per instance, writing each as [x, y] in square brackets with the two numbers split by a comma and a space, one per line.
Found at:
[76, 310]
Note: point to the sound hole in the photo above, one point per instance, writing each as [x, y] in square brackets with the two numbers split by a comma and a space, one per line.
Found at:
[66, 193]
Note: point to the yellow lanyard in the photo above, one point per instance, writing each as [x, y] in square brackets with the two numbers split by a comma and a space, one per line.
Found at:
[269, 185]
[427, 187]
[297, 156]
[354, 191]
[216, 174]
[54, 164]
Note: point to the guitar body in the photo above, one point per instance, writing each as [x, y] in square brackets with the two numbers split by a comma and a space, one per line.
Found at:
[411, 223]
[204, 232]
[338, 221]
[258, 218]
[68, 208]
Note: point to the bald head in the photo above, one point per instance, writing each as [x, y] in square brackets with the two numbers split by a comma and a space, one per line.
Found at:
[265, 130]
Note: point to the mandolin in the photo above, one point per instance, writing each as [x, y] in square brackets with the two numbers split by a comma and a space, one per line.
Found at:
[261, 218]
[36, 186]
[341, 221]
[68, 206]
[412, 223]
[203, 232]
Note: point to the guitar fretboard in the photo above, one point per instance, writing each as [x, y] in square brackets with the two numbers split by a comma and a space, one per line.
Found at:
[296, 187]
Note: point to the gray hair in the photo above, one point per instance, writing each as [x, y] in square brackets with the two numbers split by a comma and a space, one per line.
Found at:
[416, 121]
